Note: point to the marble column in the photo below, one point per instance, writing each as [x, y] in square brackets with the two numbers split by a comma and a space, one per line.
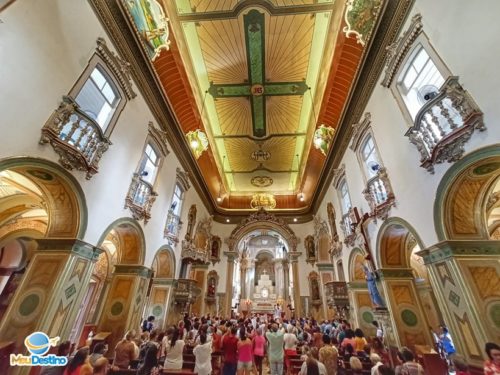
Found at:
[465, 276]
[51, 292]
[294, 259]
[278, 269]
[231, 258]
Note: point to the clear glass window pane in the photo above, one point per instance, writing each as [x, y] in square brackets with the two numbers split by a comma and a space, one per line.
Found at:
[98, 78]
[108, 93]
[344, 195]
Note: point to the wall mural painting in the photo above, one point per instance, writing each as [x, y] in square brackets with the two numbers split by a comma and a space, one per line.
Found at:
[152, 25]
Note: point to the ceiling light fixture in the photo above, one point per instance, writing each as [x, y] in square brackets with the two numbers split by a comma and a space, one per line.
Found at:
[294, 219]
[227, 220]
[197, 139]
[302, 197]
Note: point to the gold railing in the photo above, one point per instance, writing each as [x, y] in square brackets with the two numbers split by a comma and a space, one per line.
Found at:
[77, 139]
[444, 124]
[140, 198]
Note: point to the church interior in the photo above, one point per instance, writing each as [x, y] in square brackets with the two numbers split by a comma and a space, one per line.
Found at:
[326, 160]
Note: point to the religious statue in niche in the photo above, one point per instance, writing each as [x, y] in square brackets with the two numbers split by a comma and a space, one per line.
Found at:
[310, 248]
[314, 283]
[212, 278]
[371, 281]
[331, 219]
[215, 249]
[191, 221]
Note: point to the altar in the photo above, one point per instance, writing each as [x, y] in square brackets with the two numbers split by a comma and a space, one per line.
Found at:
[264, 298]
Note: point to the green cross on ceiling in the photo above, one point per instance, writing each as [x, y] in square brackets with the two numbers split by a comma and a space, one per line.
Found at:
[258, 88]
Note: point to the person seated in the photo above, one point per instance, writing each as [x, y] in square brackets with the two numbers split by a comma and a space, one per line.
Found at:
[492, 366]
[125, 351]
[99, 350]
[408, 365]
[356, 365]
[79, 365]
[101, 366]
[376, 362]
[460, 365]
[312, 365]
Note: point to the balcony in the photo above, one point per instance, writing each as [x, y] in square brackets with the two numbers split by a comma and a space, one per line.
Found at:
[186, 291]
[444, 124]
[77, 139]
[140, 198]
[336, 294]
[191, 254]
[379, 195]
[172, 227]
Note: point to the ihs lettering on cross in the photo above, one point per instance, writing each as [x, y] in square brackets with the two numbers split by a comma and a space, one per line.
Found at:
[257, 88]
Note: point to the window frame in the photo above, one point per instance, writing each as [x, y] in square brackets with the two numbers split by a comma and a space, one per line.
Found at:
[98, 62]
[421, 41]
[343, 182]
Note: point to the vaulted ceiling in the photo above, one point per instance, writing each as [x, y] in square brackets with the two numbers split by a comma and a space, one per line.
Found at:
[258, 89]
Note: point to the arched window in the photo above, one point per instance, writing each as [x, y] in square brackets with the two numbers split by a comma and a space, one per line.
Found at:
[369, 157]
[419, 81]
[345, 198]
[150, 161]
[99, 97]
[173, 223]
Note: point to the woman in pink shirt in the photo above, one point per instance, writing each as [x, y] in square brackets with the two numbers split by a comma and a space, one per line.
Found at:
[259, 343]
[244, 353]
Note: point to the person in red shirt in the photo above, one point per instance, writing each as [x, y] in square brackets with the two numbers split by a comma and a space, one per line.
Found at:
[492, 367]
[230, 352]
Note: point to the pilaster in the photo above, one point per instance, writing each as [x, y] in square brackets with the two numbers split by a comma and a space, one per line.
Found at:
[231, 258]
[294, 260]
[465, 276]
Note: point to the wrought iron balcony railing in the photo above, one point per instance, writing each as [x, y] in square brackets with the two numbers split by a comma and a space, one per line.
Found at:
[444, 124]
[77, 139]
[379, 195]
[140, 198]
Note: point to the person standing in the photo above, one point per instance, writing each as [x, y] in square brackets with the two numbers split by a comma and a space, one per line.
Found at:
[174, 350]
[203, 355]
[230, 352]
[328, 355]
[244, 353]
[125, 351]
[276, 340]
[258, 344]
[447, 343]
[290, 347]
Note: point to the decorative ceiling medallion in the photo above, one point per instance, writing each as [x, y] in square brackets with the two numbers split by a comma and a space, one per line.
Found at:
[261, 181]
[261, 155]
[152, 24]
[198, 142]
[263, 200]
[323, 137]
[360, 18]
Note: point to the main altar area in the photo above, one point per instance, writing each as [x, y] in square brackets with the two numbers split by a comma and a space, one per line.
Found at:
[264, 299]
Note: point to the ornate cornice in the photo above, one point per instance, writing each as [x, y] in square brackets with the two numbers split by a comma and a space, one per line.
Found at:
[359, 131]
[183, 179]
[448, 249]
[338, 175]
[397, 51]
[119, 67]
[134, 269]
[160, 138]
[72, 245]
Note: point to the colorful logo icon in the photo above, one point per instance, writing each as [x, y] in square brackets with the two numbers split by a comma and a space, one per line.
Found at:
[39, 343]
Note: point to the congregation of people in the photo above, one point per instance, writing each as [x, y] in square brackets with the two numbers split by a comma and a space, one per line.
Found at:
[257, 344]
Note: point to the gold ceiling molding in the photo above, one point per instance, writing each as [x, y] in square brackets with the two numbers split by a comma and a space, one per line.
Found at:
[263, 200]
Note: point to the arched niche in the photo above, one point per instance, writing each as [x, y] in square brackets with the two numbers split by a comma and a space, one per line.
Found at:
[45, 199]
[396, 241]
[124, 240]
[465, 194]
[164, 263]
[356, 262]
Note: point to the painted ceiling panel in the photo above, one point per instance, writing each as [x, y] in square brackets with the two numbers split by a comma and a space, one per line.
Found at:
[235, 117]
[223, 48]
[283, 113]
